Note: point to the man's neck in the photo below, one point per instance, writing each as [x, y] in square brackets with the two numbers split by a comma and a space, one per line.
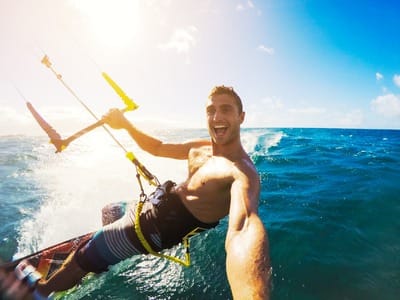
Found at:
[233, 151]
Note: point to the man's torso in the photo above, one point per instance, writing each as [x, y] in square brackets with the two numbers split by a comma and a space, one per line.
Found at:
[206, 192]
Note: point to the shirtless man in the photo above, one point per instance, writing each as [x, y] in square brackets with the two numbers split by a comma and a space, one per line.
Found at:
[222, 180]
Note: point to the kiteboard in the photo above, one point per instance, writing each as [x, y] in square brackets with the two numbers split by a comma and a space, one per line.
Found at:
[49, 260]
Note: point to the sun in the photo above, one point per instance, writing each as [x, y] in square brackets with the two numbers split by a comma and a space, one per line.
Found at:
[111, 23]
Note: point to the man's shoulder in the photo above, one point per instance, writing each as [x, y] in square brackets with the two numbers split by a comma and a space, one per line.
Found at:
[198, 143]
[246, 167]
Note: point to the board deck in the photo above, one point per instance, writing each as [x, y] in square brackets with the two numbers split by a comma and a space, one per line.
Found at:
[50, 259]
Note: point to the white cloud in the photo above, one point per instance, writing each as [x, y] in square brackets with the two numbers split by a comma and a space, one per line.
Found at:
[12, 122]
[396, 80]
[273, 112]
[378, 76]
[250, 4]
[265, 49]
[239, 7]
[246, 5]
[182, 40]
[353, 118]
[272, 103]
[387, 105]
[308, 111]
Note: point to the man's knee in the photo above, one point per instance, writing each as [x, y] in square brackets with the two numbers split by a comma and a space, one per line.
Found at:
[113, 212]
[88, 259]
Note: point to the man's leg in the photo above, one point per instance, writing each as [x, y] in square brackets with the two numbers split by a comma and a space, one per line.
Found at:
[65, 278]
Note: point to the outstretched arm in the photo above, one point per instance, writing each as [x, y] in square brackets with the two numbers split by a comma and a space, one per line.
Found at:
[117, 120]
[247, 251]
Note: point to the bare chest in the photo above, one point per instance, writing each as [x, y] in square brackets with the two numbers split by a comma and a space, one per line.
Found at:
[206, 192]
[209, 171]
[197, 159]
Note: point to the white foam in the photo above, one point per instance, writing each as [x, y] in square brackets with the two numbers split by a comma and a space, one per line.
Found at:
[259, 141]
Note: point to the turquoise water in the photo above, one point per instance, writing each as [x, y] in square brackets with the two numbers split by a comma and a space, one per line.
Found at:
[330, 201]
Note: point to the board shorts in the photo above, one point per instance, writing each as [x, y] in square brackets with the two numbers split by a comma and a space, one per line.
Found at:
[164, 222]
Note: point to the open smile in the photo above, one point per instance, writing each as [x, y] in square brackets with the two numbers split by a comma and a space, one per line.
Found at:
[220, 130]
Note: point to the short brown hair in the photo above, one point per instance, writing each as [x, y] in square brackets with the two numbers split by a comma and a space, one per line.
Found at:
[227, 90]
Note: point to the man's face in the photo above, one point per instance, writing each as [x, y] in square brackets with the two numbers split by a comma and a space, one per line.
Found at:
[223, 119]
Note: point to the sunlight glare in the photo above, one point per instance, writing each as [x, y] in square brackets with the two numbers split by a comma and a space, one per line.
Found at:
[112, 23]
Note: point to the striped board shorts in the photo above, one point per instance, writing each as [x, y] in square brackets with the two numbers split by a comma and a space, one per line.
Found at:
[113, 243]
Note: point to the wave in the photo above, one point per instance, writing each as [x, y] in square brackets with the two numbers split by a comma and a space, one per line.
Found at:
[258, 142]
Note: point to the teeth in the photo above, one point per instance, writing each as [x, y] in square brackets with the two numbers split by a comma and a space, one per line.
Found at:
[220, 129]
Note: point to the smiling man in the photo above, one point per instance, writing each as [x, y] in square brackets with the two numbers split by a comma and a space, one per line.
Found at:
[221, 181]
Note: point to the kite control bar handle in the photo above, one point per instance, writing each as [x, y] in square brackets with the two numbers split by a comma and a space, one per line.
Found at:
[61, 144]
[87, 129]
[55, 137]
[130, 104]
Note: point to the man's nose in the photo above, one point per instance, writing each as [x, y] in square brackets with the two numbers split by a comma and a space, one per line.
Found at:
[217, 116]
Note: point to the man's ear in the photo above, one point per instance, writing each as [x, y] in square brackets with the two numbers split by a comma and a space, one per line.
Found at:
[242, 115]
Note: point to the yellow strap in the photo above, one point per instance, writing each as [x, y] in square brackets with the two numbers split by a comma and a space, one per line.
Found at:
[147, 246]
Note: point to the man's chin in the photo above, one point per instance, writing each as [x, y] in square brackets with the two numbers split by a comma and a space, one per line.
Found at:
[220, 141]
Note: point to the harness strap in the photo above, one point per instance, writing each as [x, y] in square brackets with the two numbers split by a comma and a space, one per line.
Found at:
[185, 240]
[142, 239]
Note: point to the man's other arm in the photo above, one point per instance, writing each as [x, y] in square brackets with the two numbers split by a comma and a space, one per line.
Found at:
[247, 250]
[115, 119]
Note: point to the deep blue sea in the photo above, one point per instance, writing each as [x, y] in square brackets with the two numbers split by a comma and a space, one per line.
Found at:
[330, 200]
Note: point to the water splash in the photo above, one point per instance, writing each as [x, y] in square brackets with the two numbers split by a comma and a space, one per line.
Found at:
[258, 142]
[77, 183]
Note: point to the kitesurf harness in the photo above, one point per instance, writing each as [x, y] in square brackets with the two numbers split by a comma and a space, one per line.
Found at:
[185, 240]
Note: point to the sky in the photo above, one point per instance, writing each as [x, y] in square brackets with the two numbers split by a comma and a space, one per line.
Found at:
[330, 64]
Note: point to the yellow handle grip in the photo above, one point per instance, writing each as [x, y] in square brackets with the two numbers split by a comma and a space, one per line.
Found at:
[130, 104]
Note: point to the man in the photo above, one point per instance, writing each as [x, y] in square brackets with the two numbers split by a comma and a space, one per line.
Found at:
[222, 180]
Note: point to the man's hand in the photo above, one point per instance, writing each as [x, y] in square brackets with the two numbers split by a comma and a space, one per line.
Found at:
[11, 288]
[20, 284]
[115, 119]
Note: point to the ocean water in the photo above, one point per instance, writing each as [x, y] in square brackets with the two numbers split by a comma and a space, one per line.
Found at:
[330, 200]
